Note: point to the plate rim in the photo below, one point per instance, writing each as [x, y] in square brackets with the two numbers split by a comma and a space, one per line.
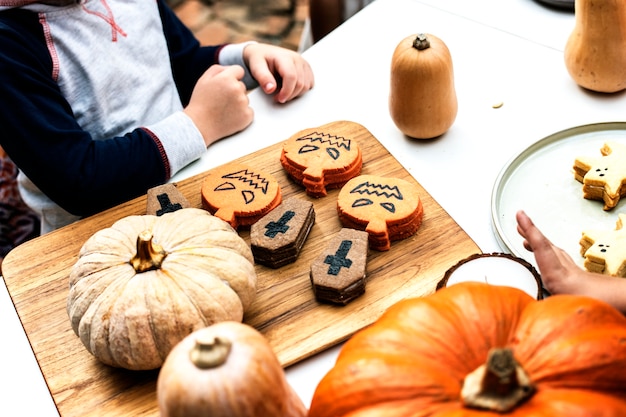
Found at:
[521, 156]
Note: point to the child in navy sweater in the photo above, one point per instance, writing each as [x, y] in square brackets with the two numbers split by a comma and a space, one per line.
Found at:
[102, 99]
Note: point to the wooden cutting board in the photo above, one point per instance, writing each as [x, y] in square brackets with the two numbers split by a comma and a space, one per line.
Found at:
[285, 311]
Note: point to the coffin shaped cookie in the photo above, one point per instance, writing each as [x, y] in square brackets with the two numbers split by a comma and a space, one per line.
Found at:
[338, 274]
[277, 238]
[165, 198]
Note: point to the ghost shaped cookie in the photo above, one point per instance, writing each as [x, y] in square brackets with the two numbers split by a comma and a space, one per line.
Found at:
[605, 250]
[240, 195]
[603, 177]
[388, 209]
[325, 157]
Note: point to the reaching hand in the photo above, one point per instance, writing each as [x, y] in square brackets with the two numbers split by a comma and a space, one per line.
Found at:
[561, 275]
[555, 265]
[219, 104]
[279, 71]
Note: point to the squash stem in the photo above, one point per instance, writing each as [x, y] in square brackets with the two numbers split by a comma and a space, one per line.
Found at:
[499, 385]
[149, 255]
[211, 353]
[421, 42]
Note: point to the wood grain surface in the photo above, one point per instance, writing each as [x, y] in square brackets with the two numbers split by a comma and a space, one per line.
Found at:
[285, 311]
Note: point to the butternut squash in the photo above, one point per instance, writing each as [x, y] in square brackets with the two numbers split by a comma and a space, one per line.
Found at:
[595, 53]
[422, 98]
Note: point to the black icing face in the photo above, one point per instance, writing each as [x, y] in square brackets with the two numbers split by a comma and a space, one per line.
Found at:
[331, 147]
[242, 185]
[381, 198]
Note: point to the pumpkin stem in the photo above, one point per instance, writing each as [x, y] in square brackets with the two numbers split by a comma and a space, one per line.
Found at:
[149, 254]
[499, 385]
[421, 42]
[210, 353]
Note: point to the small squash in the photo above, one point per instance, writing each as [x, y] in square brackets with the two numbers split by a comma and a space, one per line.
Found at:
[142, 285]
[422, 97]
[595, 52]
[474, 349]
[225, 370]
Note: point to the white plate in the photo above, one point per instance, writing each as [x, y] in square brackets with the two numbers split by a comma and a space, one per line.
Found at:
[540, 181]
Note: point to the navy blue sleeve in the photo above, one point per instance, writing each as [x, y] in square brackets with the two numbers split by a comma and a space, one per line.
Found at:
[189, 58]
[39, 132]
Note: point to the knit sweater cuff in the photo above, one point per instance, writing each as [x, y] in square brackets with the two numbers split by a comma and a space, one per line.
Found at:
[232, 54]
[180, 138]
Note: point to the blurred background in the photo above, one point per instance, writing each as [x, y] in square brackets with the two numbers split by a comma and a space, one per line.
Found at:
[279, 22]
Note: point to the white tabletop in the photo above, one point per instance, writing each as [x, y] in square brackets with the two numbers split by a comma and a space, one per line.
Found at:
[503, 52]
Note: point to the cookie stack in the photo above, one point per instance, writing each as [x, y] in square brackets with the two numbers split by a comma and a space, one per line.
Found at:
[323, 158]
[338, 273]
[605, 250]
[603, 177]
[277, 238]
[388, 209]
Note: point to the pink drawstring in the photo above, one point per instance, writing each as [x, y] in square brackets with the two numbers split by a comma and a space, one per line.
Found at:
[115, 29]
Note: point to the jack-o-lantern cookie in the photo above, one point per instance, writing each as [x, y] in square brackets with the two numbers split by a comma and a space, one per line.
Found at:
[325, 157]
[388, 209]
[603, 177]
[239, 194]
[605, 250]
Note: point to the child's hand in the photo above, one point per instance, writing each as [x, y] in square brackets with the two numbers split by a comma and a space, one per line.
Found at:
[219, 104]
[279, 71]
[561, 275]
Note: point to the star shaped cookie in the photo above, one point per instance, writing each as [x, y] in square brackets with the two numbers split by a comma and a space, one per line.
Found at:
[605, 250]
[603, 177]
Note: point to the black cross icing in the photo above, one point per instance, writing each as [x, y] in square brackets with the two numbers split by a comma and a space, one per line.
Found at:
[166, 204]
[274, 228]
[339, 259]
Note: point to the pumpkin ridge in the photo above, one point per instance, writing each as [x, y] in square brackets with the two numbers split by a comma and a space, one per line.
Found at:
[234, 277]
[129, 342]
[83, 292]
[216, 296]
[571, 359]
[435, 334]
[452, 310]
[231, 268]
[98, 321]
[575, 403]
[539, 337]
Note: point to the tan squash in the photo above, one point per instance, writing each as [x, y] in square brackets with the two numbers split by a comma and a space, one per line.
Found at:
[142, 285]
[422, 98]
[595, 53]
[226, 370]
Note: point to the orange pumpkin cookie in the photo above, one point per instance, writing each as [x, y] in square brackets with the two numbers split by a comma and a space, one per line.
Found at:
[325, 157]
[605, 250]
[603, 177]
[239, 194]
[388, 209]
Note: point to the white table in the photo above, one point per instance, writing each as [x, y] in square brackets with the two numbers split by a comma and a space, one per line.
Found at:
[503, 51]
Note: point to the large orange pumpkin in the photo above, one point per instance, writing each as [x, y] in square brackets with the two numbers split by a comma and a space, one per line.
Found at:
[473, 349]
